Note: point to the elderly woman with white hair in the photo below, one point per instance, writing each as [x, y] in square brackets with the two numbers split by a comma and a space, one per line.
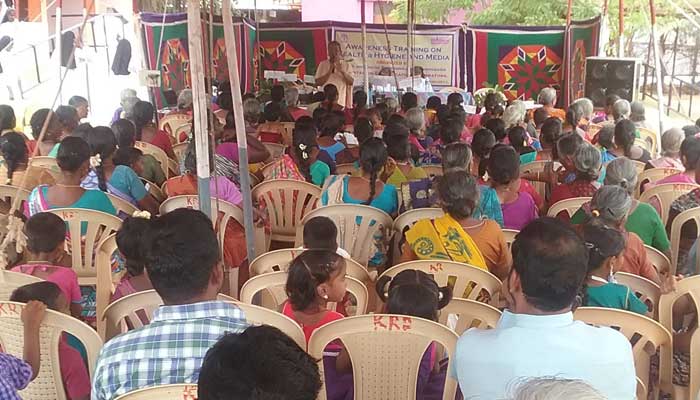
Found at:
[548, 99]
[291, 97]
[587, 163]
[415, 119]
[184, 100]
[642, 219]
[621, 109]
[671, 156]
[123, 96]
[514, 115]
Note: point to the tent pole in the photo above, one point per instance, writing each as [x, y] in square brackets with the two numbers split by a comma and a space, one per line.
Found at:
[259, 70]
[657, 69]
[365, 75]
[567, 73]
[200, 102]
[232, 55]
[621, 29]
[59, 41]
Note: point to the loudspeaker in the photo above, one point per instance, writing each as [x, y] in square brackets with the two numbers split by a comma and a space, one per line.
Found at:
[605, 76]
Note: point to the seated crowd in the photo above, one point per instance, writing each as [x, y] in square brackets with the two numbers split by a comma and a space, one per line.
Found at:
[500, 174]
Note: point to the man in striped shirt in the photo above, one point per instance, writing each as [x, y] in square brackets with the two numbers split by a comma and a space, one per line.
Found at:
[182, 259]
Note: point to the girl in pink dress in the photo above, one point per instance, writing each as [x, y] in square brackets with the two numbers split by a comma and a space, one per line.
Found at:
[131, 239]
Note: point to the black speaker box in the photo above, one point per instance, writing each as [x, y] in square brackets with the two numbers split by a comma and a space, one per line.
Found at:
[606, 75]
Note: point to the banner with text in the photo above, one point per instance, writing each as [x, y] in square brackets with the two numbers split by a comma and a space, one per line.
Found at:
[434, 51]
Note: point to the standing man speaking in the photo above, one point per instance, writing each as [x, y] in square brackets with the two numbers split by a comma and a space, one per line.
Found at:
[338, 72]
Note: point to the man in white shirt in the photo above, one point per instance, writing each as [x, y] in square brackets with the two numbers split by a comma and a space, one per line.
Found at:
[537, 336]
[338, 72]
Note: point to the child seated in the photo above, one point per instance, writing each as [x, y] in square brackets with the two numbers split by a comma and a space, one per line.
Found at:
[15, 373]
[74, 374]
[46, 235]
[320, 233]
[606, 253]
[130, 242]
[415, 293]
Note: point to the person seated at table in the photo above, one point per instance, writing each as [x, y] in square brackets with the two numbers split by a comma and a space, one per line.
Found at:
[147, 131]
[587, 165]
[291, 96]
[457, 236]
[518, 206]
[548, 99]
[74, 163]
[671, 157]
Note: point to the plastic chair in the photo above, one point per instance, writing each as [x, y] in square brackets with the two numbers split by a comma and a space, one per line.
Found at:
[658, 259]
[122, 206]
[345, 169]
[433, 170]
[98, 225]
[227, 212]
[355, 237]
[156, 152]
[538, 166]
[650, 138]
[180, 149]
[276, 150]
[171, 122]
[279, 260]
[570, 206]
[640, 166]
[48, 383]
[271, 282]
[647, 291]
[688, 287]
[645, 335]
[287, 133]
[287, 202]
[653, 175]
[106, 279]
[8, 194]
[9, 281]
[44, 162]
[509, 235]
[664, 195]
[470, 314]
[181, 391]
[182, 134]
[688, 215]
[154, 190]
[467, 281]
[173, 167]
[386, 352]
[407, 220]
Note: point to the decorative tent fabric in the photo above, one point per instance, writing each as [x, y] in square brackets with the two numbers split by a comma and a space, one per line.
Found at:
[582, 41]
[293, 48]
[174, 51]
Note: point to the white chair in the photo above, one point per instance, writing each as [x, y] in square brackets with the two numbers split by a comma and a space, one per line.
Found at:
[653, 175]
[469, 314]
[386, 352]
[106, 280]
[662, 196]
[279, 260]
[9, 193]
[157, 153]
[535, 167]
[182, 391]
[356, 237]
[570, 206]
[9, 281]
[48, 383]
[123, 207]
[658, 259]
[510, 234]
[693, 215]
[287, 202]
[647, 291]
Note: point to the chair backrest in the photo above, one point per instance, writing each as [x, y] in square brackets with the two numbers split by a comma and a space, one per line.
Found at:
[649, 137]
[9, 281]
[122, 206]
[640, 166]
[171, 122]
[664, 195]
[98, 226]
[658, 259]
[8, 194]
[276, 150]
[570, 206]
[279, 260]
[345, 169]
[182, 133]
[647, 291]
[180, 149]
[653, 175]
[408, 219]
[688, 215]
[469, 314]
[687, 287]
[386, 353]
[154, 190]
[273, 281]
[44, 162]
[433, 170]
[509, 235]
[287, 133]
[173, 167]
[156, 152]
[106, 278]
[467, 281]
[538, 166]
[287, 202]
[359, 227]
[181, 391]
[48, 383]
[227, 213]
[644, 334]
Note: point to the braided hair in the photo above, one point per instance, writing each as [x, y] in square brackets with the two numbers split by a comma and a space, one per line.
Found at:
[483, 142]
[373, 156]
[103, 143]
[14, 151]
[143, 115]
[306, 272]
[602, 243]
[303, 143]
[414, 293]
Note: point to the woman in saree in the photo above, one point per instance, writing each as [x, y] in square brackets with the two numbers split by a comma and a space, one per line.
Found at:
[458, 236]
